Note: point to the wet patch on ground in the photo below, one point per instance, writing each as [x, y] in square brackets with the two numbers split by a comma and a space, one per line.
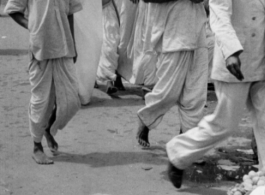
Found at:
[212, 173]
[225, 165]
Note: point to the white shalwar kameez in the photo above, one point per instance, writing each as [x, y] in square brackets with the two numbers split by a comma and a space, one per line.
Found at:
[178, 35]
[238, 26]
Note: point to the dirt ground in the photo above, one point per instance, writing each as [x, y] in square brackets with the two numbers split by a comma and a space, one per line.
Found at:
[99, 154]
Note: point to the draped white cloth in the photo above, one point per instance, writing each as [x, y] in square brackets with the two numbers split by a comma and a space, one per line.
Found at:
[88, 34]
[144, 60]
[118, 24]
[52, 82]
[108, 62]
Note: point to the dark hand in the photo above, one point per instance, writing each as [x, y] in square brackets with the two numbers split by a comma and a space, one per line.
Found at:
[196, 1]
[233, 64]
[135, 1]
[104, 2]
[75, 59]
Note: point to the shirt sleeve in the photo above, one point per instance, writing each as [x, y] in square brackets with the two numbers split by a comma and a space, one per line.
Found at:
[225, 34]
[13, 6]
[75, 6]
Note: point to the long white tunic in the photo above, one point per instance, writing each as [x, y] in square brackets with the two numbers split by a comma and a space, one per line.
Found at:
[88, 33]
[239, 25]
[177, 26]
[49, 31]
[118, 28]
[144, 61]
[109, 57]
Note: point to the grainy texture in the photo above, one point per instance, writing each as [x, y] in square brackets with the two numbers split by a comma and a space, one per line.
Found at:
[99, 152]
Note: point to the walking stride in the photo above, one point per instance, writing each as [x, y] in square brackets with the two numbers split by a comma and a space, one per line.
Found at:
[238, 71]
[54, 88]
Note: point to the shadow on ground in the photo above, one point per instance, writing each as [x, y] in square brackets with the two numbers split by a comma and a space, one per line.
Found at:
[13, 52]
[203, 191]
[111, 158]
[116, 102]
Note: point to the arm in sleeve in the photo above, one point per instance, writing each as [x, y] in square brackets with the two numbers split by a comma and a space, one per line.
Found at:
[220, 20]
[75, 6]
[14, 6]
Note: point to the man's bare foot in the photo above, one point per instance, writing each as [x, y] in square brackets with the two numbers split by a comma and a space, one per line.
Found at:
[118, 84]
[111, 88]
[145, 91]
[39, 156]
[96, 85]
[142, 135]
[52, 144]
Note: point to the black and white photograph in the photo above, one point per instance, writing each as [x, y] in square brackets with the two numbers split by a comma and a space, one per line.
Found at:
[132, 97]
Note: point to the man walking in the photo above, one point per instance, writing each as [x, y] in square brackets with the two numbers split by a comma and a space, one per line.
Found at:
[239, 71]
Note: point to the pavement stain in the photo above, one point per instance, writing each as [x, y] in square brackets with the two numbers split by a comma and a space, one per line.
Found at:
[25, 135]
[227, 165]
[113, 131]
[210, 173]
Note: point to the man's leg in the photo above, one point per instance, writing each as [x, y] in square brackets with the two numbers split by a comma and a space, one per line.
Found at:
[171, 74]
[66, 93]
[186, 148]
[257, 94]
[41, 104]
[52, 144]
[109, 56]
[118, 83]
[194, 94]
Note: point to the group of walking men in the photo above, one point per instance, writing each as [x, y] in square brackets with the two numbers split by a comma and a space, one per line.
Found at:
[160, 44]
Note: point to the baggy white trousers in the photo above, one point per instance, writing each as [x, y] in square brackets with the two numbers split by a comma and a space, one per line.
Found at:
[52, 81]
[184, 149]
[182, 81]
[108, 62]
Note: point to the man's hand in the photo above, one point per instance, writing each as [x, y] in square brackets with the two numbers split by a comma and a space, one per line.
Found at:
[196, 1]
[233, 64]
[135, 1]
[104, 2]
[75, 58]
[20, 19]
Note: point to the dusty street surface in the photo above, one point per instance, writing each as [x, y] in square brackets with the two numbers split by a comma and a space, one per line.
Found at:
[98, 150]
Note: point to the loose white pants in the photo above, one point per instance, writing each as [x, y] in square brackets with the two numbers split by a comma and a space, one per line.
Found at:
[108, 62]
[182, 80]
[184, 149]
[52, 81]
[144, 60]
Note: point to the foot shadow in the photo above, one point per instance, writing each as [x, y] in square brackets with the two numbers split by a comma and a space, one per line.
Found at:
[130, 89]
[114, 102]
[109, 159]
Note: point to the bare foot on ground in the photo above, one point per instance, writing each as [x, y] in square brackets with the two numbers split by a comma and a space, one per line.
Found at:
[52, 144]
[39, 156]
[111, 88]
[118, 84]
[142, 135]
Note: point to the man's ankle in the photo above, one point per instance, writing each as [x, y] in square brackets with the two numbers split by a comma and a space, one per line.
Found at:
[37, 147]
